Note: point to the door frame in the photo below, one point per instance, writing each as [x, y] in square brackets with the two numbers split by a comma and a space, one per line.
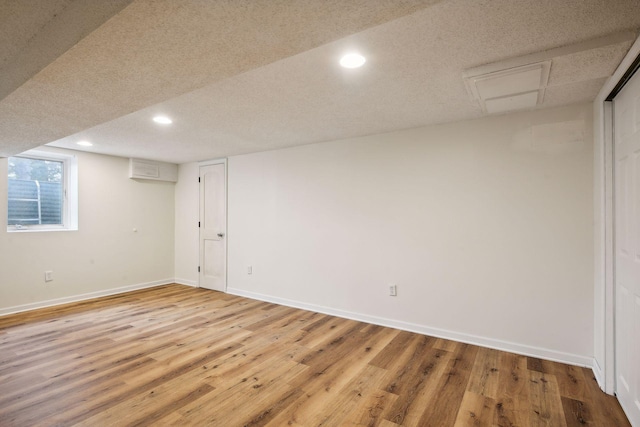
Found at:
[226, 214]
[604, 226]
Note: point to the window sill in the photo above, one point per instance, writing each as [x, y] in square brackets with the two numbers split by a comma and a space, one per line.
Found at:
[38, 230]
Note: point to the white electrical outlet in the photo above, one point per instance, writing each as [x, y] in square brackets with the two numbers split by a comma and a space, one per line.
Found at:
[249, 269]
[393, 290]
[48, 276]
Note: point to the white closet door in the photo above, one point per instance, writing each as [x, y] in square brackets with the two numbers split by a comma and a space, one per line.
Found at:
[627, 247]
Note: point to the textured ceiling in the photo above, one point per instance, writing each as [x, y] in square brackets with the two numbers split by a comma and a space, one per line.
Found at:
[244, 76]
[154, 50]
[32, 37]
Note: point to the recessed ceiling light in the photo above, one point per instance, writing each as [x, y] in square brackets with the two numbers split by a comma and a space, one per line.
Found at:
[84, 143]
[352, 60]
[163, 120]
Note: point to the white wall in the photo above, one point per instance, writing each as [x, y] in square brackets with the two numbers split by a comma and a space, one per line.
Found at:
[187, 213]
[485, 226]
[104, 255]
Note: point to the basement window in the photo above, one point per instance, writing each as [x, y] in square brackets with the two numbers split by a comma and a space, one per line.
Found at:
[42, 193]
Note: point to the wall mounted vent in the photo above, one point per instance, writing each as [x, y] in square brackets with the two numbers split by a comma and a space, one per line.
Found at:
[150, 169]
[516, 88]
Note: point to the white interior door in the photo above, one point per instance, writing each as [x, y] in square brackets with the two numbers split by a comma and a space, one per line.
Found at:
[213, 227]
[627, 247]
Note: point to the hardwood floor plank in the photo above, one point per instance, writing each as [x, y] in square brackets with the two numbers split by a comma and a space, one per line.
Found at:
[258, 385]
[57, 402]
[535, 364]
[330, 381]
[446, 345]
[43, 395]
[571, 381]
[148, 409]
[390, 353]
[370, 411]
[421, 389]
[262, 417]
[475, 410]
[605, 409]
[349, 396]
[546, 404]
[322, 359]
[151, 381]
[269, 318]
[451, 388]
[176, 355]
[513, 376]
[319, 322]
[407, 382]
[512, 399]
[576, 413]
[485, 373]
[326, 333]
[510, 412]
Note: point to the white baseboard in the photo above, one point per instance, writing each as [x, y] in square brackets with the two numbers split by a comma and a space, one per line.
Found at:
[82, 297]
[185, 282]
[523, 349]
[598, 374]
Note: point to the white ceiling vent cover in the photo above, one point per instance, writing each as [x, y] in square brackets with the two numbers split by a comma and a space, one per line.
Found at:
[151, 169]
[512, 89]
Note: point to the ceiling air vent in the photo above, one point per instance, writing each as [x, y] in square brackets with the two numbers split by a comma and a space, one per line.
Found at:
[151, 169]
[516, 88]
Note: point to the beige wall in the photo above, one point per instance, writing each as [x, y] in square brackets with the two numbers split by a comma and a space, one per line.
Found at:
[187, 216]
[485, 226]
[104, 254]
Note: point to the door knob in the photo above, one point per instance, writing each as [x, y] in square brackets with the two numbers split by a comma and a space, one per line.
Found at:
[220, 234]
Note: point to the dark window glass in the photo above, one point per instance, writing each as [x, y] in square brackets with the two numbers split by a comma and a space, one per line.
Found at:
[36, 192]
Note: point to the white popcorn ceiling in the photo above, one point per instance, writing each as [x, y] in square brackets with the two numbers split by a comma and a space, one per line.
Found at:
[245, 76]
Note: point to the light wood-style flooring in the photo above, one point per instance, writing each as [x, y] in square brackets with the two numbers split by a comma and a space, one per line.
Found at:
[175, 355]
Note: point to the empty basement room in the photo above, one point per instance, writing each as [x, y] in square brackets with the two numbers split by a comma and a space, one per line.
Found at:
[320, 213]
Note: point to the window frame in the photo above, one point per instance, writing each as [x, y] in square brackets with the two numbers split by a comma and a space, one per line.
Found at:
[69, 191]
